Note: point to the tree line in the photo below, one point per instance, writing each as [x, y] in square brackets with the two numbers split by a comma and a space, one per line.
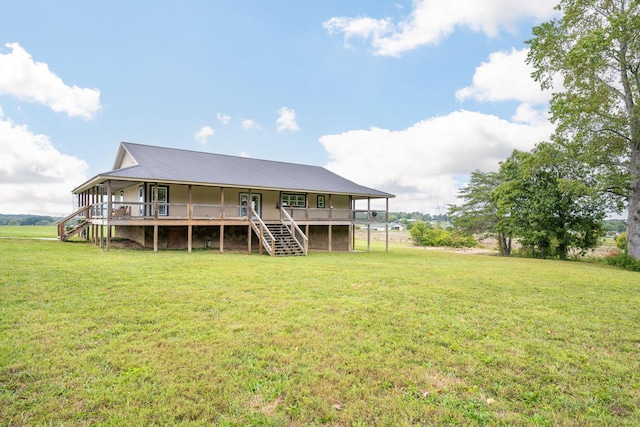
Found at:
[27, 220]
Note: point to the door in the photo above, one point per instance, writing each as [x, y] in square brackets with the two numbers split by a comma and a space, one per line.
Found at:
[256, 203]
[163, 199]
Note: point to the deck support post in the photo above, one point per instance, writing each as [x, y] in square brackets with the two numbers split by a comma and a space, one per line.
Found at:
[155, 217]
[368, 224]
[249, 215]
[221, 238]
[109, 208]
[222, 218]
[330, 224]
[190, 216]
[386, 225]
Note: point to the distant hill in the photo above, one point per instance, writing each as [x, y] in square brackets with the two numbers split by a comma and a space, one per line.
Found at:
[6, 219]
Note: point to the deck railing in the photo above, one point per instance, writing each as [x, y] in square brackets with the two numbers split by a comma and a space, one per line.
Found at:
[200, 211]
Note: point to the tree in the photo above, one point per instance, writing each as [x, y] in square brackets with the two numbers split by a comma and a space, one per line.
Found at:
[479, 212]
[595, 49]
[550, 205]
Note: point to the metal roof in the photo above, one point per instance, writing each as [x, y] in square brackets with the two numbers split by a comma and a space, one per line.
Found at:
[163, 164]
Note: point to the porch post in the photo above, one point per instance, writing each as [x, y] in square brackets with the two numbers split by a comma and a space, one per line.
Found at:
[249, 216]
[190, 226]
[155, 217]
[368, 224]
[109, 207]
[352, 225]
[330, 225]
[306, 214]
[386, 225]
[222, 219]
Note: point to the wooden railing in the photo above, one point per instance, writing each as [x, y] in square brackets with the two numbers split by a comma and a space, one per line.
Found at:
[83, 213]
[266, 238]
[295, 231]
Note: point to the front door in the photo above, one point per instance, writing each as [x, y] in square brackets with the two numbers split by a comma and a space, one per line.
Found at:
[256, 203]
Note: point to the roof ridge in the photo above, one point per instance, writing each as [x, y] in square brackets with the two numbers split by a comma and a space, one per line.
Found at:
[222, 155]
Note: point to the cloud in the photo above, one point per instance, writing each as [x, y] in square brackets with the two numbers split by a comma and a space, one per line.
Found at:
[248, 124]
[425, 164]
[203, 133]
[223, 118]
[35, 178]
[32, 81]
[505, 77]
[287, 120]
[430, 21]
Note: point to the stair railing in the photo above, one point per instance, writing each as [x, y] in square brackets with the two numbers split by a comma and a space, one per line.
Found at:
[295, 231]
[82, 212]
[261, 229]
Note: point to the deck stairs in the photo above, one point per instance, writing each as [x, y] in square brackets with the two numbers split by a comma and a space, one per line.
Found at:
[285, 244]
[73, 230]
[79, 224]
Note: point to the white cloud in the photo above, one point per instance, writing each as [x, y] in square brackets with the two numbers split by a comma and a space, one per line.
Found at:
[203, 133]
[35, 178]
[425, 164]
[430, 21]
[223, 118]
[287, 120]
[32, 81]
[505, 77]
[248, 124]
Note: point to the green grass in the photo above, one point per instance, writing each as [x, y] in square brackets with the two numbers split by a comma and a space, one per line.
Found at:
[31, 231]
[409, 337]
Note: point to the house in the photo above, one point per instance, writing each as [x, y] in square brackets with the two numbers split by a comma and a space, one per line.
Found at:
[168, 198]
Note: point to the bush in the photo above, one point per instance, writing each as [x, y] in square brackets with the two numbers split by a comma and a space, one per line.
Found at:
[621, 242]
[624, 261]
[426, 235]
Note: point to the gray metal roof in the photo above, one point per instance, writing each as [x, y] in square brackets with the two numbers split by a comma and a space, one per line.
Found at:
[173, 165]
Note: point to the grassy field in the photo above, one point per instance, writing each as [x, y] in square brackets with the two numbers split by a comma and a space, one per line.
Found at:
[31, 231]
[409, 337]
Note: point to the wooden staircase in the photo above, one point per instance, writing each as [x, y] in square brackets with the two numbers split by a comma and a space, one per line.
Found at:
[67, 232]
[285, 244]
[278, 238]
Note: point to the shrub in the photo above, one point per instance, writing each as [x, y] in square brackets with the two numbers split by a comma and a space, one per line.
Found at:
[623, 261]
[426, 235]
[621, 241]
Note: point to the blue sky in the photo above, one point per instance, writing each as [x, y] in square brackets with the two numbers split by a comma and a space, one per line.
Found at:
[406, 97]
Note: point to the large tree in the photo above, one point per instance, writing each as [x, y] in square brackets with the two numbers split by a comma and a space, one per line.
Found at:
[594, 48]
[549, 205]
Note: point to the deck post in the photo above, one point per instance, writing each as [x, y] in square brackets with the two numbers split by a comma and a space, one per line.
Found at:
[368, 224]
[155, 217]
[190, 216]
[249, 214]
[221, 205]
[330, 225]
[109, 207]
[155, 237]
[221, 238]
[352, 225]
[386, 225]
[306, 214]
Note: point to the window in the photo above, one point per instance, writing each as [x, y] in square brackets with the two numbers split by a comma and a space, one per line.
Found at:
[141, 200]
[294, 200]
[321, 202]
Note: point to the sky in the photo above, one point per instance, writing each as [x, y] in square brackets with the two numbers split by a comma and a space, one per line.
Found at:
[407, 97]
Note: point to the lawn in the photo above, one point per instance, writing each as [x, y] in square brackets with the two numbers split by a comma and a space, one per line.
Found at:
[31, 231]
[409, 337]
